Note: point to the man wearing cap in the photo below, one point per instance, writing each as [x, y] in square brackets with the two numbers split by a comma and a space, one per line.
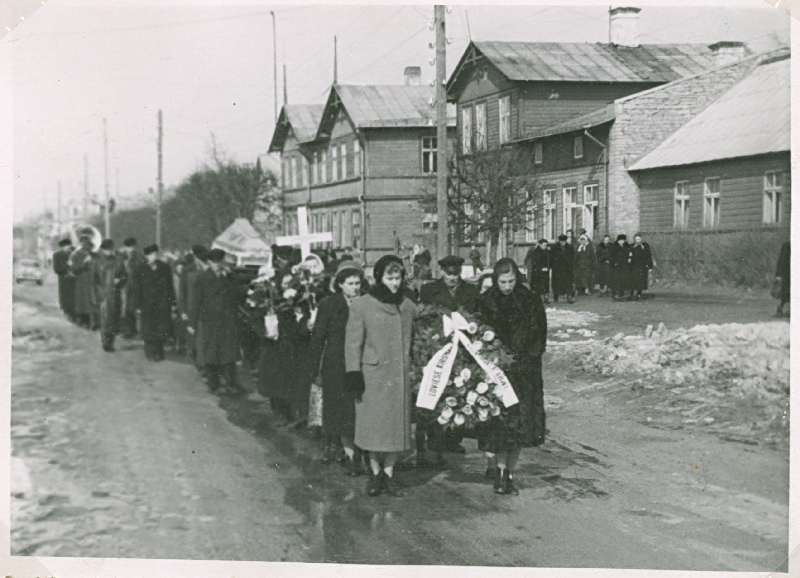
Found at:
[108, 278]
[66, 281]
[620, 262]
[134, 262]
[537, 262]
[213, 320]
[156, 304]
[563, 267]
[80, 265]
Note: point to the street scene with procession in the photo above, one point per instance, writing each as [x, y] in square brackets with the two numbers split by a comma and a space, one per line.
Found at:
[566, 346]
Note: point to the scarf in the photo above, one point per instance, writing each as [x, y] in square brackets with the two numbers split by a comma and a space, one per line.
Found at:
[383, 294]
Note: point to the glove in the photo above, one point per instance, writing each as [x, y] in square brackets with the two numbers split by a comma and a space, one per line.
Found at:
[354, 384]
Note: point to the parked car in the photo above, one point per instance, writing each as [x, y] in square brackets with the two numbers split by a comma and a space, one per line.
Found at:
[29, 270]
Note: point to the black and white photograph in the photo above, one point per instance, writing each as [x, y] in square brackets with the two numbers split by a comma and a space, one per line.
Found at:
[397, 287]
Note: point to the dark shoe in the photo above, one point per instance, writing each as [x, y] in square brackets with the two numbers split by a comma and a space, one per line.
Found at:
[499, 488]
[373, 485]
[508, 484]
[389, 487]
[355, 466]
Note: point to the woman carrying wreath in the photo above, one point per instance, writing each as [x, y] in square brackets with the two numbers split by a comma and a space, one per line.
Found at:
[378, 365]
[519, 321]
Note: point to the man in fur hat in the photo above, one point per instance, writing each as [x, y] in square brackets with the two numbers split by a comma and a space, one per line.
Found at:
[156, 304]
[108, 278]
[80, 266]
[66, 280]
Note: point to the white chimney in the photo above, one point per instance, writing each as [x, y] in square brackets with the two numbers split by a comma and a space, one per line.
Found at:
[726, 52]
[623, 26]
[412, 75]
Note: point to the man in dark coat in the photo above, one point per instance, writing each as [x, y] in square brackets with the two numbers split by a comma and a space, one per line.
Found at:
[537, 262]
[784, 274]
[620, 262]
[134, 262]
[475, 258]
[562, 260]
[603, 254]
[66, 280]
[641, 263]
[422, 263]
[214, 320]
[156, 299]
[80, 265]
[108, 278]
[191, 273]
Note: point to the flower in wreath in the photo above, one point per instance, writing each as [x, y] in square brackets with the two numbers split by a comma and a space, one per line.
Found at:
[466, 374]
[477, 345]
[458, 381]
[482, 388]
[435, 337]
[472, 397]
[442, 420]
[290, 293]
[467, 410]
[482, 401]
[447, 412]
[494, 409]
[451, 401]
[483, 414]
[472, 328]
[459, 419]
[488, 336]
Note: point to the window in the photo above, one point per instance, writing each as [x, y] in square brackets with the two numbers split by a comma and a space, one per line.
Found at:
[682, 204]
[590, 208]
[324, 164]
[577, 147]
[304, 169]
[531, 221]
[466, 130]
[336, 229]
[430, 221]
[343, 154]
[356, 226]
[356, 158]
[467, 228]
[711, 203]
[293, 173]
[572, 210]
[312, 173]
[335, 163]
[346, 231]
[773, 201]
[428, 154]
[286, 173]
[480, 127]
[538, 153]
[549, 205]
[504, 107]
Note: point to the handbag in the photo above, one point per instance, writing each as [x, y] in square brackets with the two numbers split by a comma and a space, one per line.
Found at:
[775, 290]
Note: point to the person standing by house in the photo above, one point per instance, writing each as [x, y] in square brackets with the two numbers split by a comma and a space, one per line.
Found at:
[66, 280]
[537, 263]
[620, 264]
[156, 302]
[80, 265]
[200, 264]
[214, 322]
[134, 262]
[378, 365]
[603, 255]
[475, 259]
[783, 274]
[641, 264]
[562, 259]
[108, 278]
[422, 263]
[585, 264]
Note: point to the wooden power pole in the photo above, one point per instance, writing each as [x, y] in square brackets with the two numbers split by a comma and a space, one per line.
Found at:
[442, 248]
[106, 210]
[160, 181]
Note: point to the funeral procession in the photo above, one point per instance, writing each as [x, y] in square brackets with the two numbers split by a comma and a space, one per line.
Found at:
[432, 286]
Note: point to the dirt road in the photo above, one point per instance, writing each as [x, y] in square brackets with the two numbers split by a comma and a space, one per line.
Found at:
[116, 457]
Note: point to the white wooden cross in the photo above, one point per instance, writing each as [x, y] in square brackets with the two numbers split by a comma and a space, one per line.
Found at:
[304, 239]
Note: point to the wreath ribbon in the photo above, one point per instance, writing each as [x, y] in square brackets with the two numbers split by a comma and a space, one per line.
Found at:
[437, 372]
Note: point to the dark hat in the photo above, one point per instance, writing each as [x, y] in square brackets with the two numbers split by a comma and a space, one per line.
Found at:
[64, 243]
[349, 266]
[85, 237]
[107, 244]
[382, 263]
[150, 249]
[283, 252]
[129, 242]
[622, 237]
[216, 255]
[451, 261]
[545, 241]
[562, 237]
[200, 252]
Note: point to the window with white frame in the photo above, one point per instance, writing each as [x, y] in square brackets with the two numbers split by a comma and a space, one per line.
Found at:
[466, 130]
[324, 164]
[312, 173]
[467, 228]
[577, 147]
[591, 205]
[480, 126]
[356, 227]
[345, 229]
[531, 220]
[681, 204]
[572, 210]
[504, 108]
[304, 171]
[773, 198]
[356, 158]
[293, 173]
[429, 155]
[430, 221]
[336, 229]
[538, 153]
[343, 154]
[287, 175]
[335, 163]
[549, 206]
[711, 197]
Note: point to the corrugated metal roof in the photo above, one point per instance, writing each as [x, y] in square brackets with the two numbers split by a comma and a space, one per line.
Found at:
[752, 118]
[304, 119]
[389, 106]
[585, 121]
[576, 62]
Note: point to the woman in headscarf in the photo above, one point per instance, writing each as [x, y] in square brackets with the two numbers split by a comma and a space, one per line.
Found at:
[378, 364]
[585, 262]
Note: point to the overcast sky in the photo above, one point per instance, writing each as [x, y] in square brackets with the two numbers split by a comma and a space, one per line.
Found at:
[210, 69]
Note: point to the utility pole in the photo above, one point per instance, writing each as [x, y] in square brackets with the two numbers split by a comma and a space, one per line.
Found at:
[285, 89]
[441, 135]
[58, 211]
[275, 63]
[85, 185]
[160, 182]
[106, 211]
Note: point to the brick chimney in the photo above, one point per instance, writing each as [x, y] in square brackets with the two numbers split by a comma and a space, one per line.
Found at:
[412, 75]
[727, 51]
[623, 26]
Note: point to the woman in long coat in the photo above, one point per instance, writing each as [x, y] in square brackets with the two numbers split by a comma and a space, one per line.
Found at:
[641, 263]
[155, 298]
[80, 265]
[603, 271]
[378, 364]
[562, 264]
[620, 262]
[327, 355]
[108, 278]
[520, 323]
[585, 263]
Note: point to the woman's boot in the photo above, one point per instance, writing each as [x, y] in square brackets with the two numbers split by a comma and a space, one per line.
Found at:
[508, 484]
[373, 484]
[499, 488]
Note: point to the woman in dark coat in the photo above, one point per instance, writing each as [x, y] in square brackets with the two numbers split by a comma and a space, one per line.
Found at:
[562, 264]
[620, 264]
[519, 321]
[585, 262]
[155, 298]
[327, 356]
[641, 263]
[603, 271]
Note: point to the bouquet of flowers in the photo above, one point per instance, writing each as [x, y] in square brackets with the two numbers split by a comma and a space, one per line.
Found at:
[476, 390]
